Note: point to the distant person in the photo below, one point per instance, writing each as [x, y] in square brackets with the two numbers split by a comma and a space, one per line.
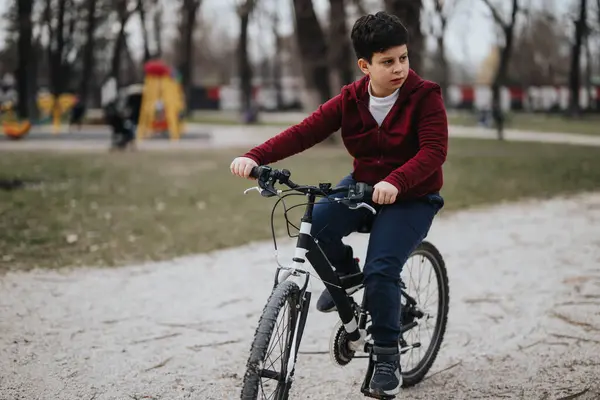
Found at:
[77, 114]
[394, 125]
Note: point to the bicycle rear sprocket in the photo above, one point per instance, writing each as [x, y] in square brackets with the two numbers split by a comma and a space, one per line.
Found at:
[338, 346]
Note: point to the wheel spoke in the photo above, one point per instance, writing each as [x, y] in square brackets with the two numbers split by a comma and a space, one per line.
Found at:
[423, 285]
[277, 321]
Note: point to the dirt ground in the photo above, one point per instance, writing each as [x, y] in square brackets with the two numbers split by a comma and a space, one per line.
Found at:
[524, 318]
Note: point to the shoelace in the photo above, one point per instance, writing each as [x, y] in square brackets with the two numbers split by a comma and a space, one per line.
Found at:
[385, 368]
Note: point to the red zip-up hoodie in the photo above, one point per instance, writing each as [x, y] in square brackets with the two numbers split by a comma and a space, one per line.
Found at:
[407, 150]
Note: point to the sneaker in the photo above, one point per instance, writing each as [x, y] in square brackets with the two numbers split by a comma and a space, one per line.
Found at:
[386, 380]
[325, 302]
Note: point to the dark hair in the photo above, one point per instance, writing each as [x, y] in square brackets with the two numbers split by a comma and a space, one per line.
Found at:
[377, 33]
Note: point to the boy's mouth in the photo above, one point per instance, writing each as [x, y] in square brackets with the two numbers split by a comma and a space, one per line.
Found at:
[399, 80]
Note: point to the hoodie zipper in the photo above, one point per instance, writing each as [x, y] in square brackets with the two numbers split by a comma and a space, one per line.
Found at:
[380, 159]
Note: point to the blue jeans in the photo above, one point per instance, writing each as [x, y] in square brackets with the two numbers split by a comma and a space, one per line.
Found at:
[397, 230]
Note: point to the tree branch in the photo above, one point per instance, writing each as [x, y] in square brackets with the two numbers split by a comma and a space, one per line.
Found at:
[497, 17]
[515, 10]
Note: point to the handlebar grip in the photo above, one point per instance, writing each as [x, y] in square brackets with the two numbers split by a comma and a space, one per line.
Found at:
[366, 190]
[255, 173]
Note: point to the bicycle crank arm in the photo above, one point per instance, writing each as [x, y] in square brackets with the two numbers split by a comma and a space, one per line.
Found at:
[410, 347]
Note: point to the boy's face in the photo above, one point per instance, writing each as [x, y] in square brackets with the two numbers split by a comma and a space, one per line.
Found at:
[388, 70]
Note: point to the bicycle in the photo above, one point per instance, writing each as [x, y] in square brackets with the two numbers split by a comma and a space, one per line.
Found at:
[350, 338]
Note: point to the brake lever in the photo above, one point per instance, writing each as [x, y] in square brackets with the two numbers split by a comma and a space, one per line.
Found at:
[251, 189]
[356, 206]
[363, 205]
[264, 192]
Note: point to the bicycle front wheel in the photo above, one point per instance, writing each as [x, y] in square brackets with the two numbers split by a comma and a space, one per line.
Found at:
[266, 370]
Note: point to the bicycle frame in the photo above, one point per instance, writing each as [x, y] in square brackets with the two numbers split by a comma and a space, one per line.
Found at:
[307, 248]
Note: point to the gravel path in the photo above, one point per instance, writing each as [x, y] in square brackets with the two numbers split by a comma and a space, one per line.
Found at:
[524, 318]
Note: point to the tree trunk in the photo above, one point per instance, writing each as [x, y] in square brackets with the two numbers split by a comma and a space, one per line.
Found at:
[158, 28]
[588, 70]
[142, 11]
[500, 80]
[244, 67]
[36, 56]
[575, 74]
[409, 11]
[277, 65]
[189, 11]
[88, 56]
[56, 48]
[25, 52]
[312, 46]
[443, 60]
[119, 42]
[502, 70]
[339, 43]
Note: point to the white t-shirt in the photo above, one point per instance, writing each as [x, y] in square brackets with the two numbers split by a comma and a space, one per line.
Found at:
[381, 106]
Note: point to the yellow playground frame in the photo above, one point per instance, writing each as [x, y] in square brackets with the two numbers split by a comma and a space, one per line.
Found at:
[163, 102]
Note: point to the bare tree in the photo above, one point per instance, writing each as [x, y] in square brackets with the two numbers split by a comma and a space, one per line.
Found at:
[141, 9]
[56, 36]
[575, 74]
[88, 56]
[25, 8]
[409, 11]
[158, 27]
[443, 9]
[313, 50]
[189, 13]
[277, 64]
[124, 11]
[539, 55]
[339, 42]
[244, 68]
[507, 28]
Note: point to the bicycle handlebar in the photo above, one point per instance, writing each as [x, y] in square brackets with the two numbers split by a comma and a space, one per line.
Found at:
[267, 177]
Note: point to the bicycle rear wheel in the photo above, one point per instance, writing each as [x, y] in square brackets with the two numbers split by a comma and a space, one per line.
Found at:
[429, 315]
[266, 370]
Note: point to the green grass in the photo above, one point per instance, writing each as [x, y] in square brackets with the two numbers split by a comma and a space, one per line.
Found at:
[587, 124]
[105, 209]
[223, 118]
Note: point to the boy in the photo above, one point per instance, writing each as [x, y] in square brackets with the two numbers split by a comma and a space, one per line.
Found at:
[394, 125]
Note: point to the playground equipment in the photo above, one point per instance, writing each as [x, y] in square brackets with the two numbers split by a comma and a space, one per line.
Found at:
[49, 109]
[11, 126]
[162, 102]
[54, 110]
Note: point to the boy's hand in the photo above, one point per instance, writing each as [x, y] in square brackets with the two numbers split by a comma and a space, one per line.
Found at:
[242, 166]
[384, 193]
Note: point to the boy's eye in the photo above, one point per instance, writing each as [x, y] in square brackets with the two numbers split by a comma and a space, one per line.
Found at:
[403, 58]
[387, 61]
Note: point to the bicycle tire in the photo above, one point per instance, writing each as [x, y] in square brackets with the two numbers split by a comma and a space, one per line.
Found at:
[417, 374]
[286, 292]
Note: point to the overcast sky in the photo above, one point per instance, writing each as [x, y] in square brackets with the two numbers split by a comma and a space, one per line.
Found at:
[469, 37]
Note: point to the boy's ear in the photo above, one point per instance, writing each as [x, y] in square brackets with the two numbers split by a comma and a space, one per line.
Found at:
[363, 65]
